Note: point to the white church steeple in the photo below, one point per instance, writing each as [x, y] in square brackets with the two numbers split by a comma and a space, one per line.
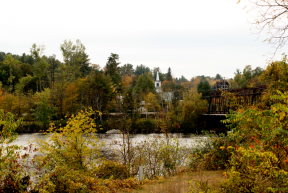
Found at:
[158, 83]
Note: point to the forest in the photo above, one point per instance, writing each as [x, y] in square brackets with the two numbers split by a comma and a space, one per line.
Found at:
[41, 90]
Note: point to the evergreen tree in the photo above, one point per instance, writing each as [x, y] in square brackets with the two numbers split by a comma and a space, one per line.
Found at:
[169, 75]
[218, 77]
[112, 70]
[142, 69]
[204, 88]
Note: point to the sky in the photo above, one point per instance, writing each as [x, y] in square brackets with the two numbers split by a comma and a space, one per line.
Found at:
[191, 37]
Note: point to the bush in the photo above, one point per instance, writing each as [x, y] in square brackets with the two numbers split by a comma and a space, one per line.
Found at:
[13, 177]
[144, 126]
[112, 170]
[211, 153]
[160, 157]
[70, 157]
[254, 170]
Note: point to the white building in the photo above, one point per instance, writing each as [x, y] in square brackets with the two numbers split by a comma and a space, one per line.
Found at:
[167, 96]
[158, 83]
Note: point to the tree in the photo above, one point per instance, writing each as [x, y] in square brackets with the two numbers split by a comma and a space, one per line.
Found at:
[192, 107]
[11, 62]
[126, 81]
[204, 87]
[70, 99]
[169, 75]
[144, 83]
[44, 109]
[151, 102]
[218, 77]
[188, 85]
[127, 70]
[24, 84]
[98, 90]
[70, 163]
[40, 65]
[53, 65]
[271, 16]
[248, 78]
[58, 97]
[112, 70]
[85, 68]
[74, 57]
[141, 69]
[183, 79]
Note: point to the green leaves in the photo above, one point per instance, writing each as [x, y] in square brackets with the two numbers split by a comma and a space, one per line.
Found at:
[144, 83]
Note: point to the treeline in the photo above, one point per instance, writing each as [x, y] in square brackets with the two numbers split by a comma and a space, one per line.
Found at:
[41, 89]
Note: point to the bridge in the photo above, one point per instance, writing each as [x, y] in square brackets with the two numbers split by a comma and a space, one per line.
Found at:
[218, 106]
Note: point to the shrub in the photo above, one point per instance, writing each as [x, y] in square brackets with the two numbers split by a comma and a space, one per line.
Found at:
[112, 170]
[211, 152]
[160, 157]
[70, 157]
[254, 170]
[13, 177]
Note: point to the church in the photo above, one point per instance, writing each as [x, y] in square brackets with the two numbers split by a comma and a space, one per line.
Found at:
[167, 96]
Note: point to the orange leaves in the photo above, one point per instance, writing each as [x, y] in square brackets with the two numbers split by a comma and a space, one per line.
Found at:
[126, 81]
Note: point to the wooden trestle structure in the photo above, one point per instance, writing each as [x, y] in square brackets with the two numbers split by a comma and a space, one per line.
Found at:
[217, 104]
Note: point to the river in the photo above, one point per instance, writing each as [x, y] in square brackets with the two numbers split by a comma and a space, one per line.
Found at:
[184, 139]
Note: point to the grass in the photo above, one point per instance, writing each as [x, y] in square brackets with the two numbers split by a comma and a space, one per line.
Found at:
[180, 183]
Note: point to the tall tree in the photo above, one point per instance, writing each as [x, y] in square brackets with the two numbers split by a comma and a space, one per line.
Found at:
[11, 62]
[204, 88]
[127, 69]
[85, 68]
[183, 79]
[53, 65]
[74, 57]
[98, 91]
[40, 66]
[169, 75]
[218, 77]
[112, 70]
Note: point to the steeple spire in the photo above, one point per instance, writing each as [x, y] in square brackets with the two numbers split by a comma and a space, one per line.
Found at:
[157, 77]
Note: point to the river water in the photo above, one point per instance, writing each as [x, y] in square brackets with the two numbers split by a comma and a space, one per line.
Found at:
[184, 139]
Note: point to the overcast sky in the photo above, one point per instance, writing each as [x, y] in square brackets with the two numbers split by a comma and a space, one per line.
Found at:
[192, 37]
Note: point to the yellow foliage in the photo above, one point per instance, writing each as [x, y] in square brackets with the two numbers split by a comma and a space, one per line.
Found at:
[70, 99]
[126, 81]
